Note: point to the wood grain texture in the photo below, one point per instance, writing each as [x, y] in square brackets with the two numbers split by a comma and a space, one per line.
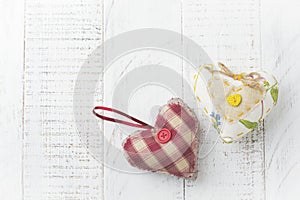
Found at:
[230, 172]
[59, 36]
[280, 47]
[11, 95]
[143, 101]
[46, 43]
[229, 32]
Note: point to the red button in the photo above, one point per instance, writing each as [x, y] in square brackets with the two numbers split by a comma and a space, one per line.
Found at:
[164, 135]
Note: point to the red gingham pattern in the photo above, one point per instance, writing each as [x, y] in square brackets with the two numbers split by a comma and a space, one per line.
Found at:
[179, 155]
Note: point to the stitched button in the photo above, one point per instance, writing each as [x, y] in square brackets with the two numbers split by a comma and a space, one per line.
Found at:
[164, 135]
[234, 100]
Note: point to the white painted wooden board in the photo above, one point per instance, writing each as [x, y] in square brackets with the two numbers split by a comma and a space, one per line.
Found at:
[229, 171]
[280, 48]
[229, 32]
[59, 35]
[128, 15]
[11, 95]
[42, 155]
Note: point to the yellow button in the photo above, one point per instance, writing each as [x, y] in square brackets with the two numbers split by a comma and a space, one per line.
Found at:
[234, 100]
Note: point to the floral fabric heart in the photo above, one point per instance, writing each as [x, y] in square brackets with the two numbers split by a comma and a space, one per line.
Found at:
[236, 104]
[171, 146]
[231, 100]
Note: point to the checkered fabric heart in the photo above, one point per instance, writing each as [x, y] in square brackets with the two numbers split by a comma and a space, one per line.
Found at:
[171, 146]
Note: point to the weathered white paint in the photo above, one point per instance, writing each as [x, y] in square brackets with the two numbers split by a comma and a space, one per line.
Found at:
[229, 32]
[128, 15]
[59, 36]
[280, 48]
[11, 95]
[218, 174]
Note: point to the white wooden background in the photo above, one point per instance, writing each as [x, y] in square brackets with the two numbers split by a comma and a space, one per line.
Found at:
[44, 43]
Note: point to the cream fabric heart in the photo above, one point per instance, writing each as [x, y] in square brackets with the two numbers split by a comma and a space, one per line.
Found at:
[235, 103]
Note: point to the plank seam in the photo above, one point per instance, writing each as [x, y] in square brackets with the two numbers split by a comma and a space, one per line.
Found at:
[263, 123]
[23, 100]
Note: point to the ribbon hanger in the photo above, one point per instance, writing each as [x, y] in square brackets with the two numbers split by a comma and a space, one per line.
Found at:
[138, 124]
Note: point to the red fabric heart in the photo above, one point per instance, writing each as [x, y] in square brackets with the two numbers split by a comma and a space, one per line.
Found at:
[178, 156]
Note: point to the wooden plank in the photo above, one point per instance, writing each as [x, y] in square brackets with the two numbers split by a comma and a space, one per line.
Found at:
[54, 42]
[281, 45]
[229, 32]
[123, 182]
[59, 37]
[11, 89]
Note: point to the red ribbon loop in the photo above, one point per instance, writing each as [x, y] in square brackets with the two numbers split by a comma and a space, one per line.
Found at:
[140, 124]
